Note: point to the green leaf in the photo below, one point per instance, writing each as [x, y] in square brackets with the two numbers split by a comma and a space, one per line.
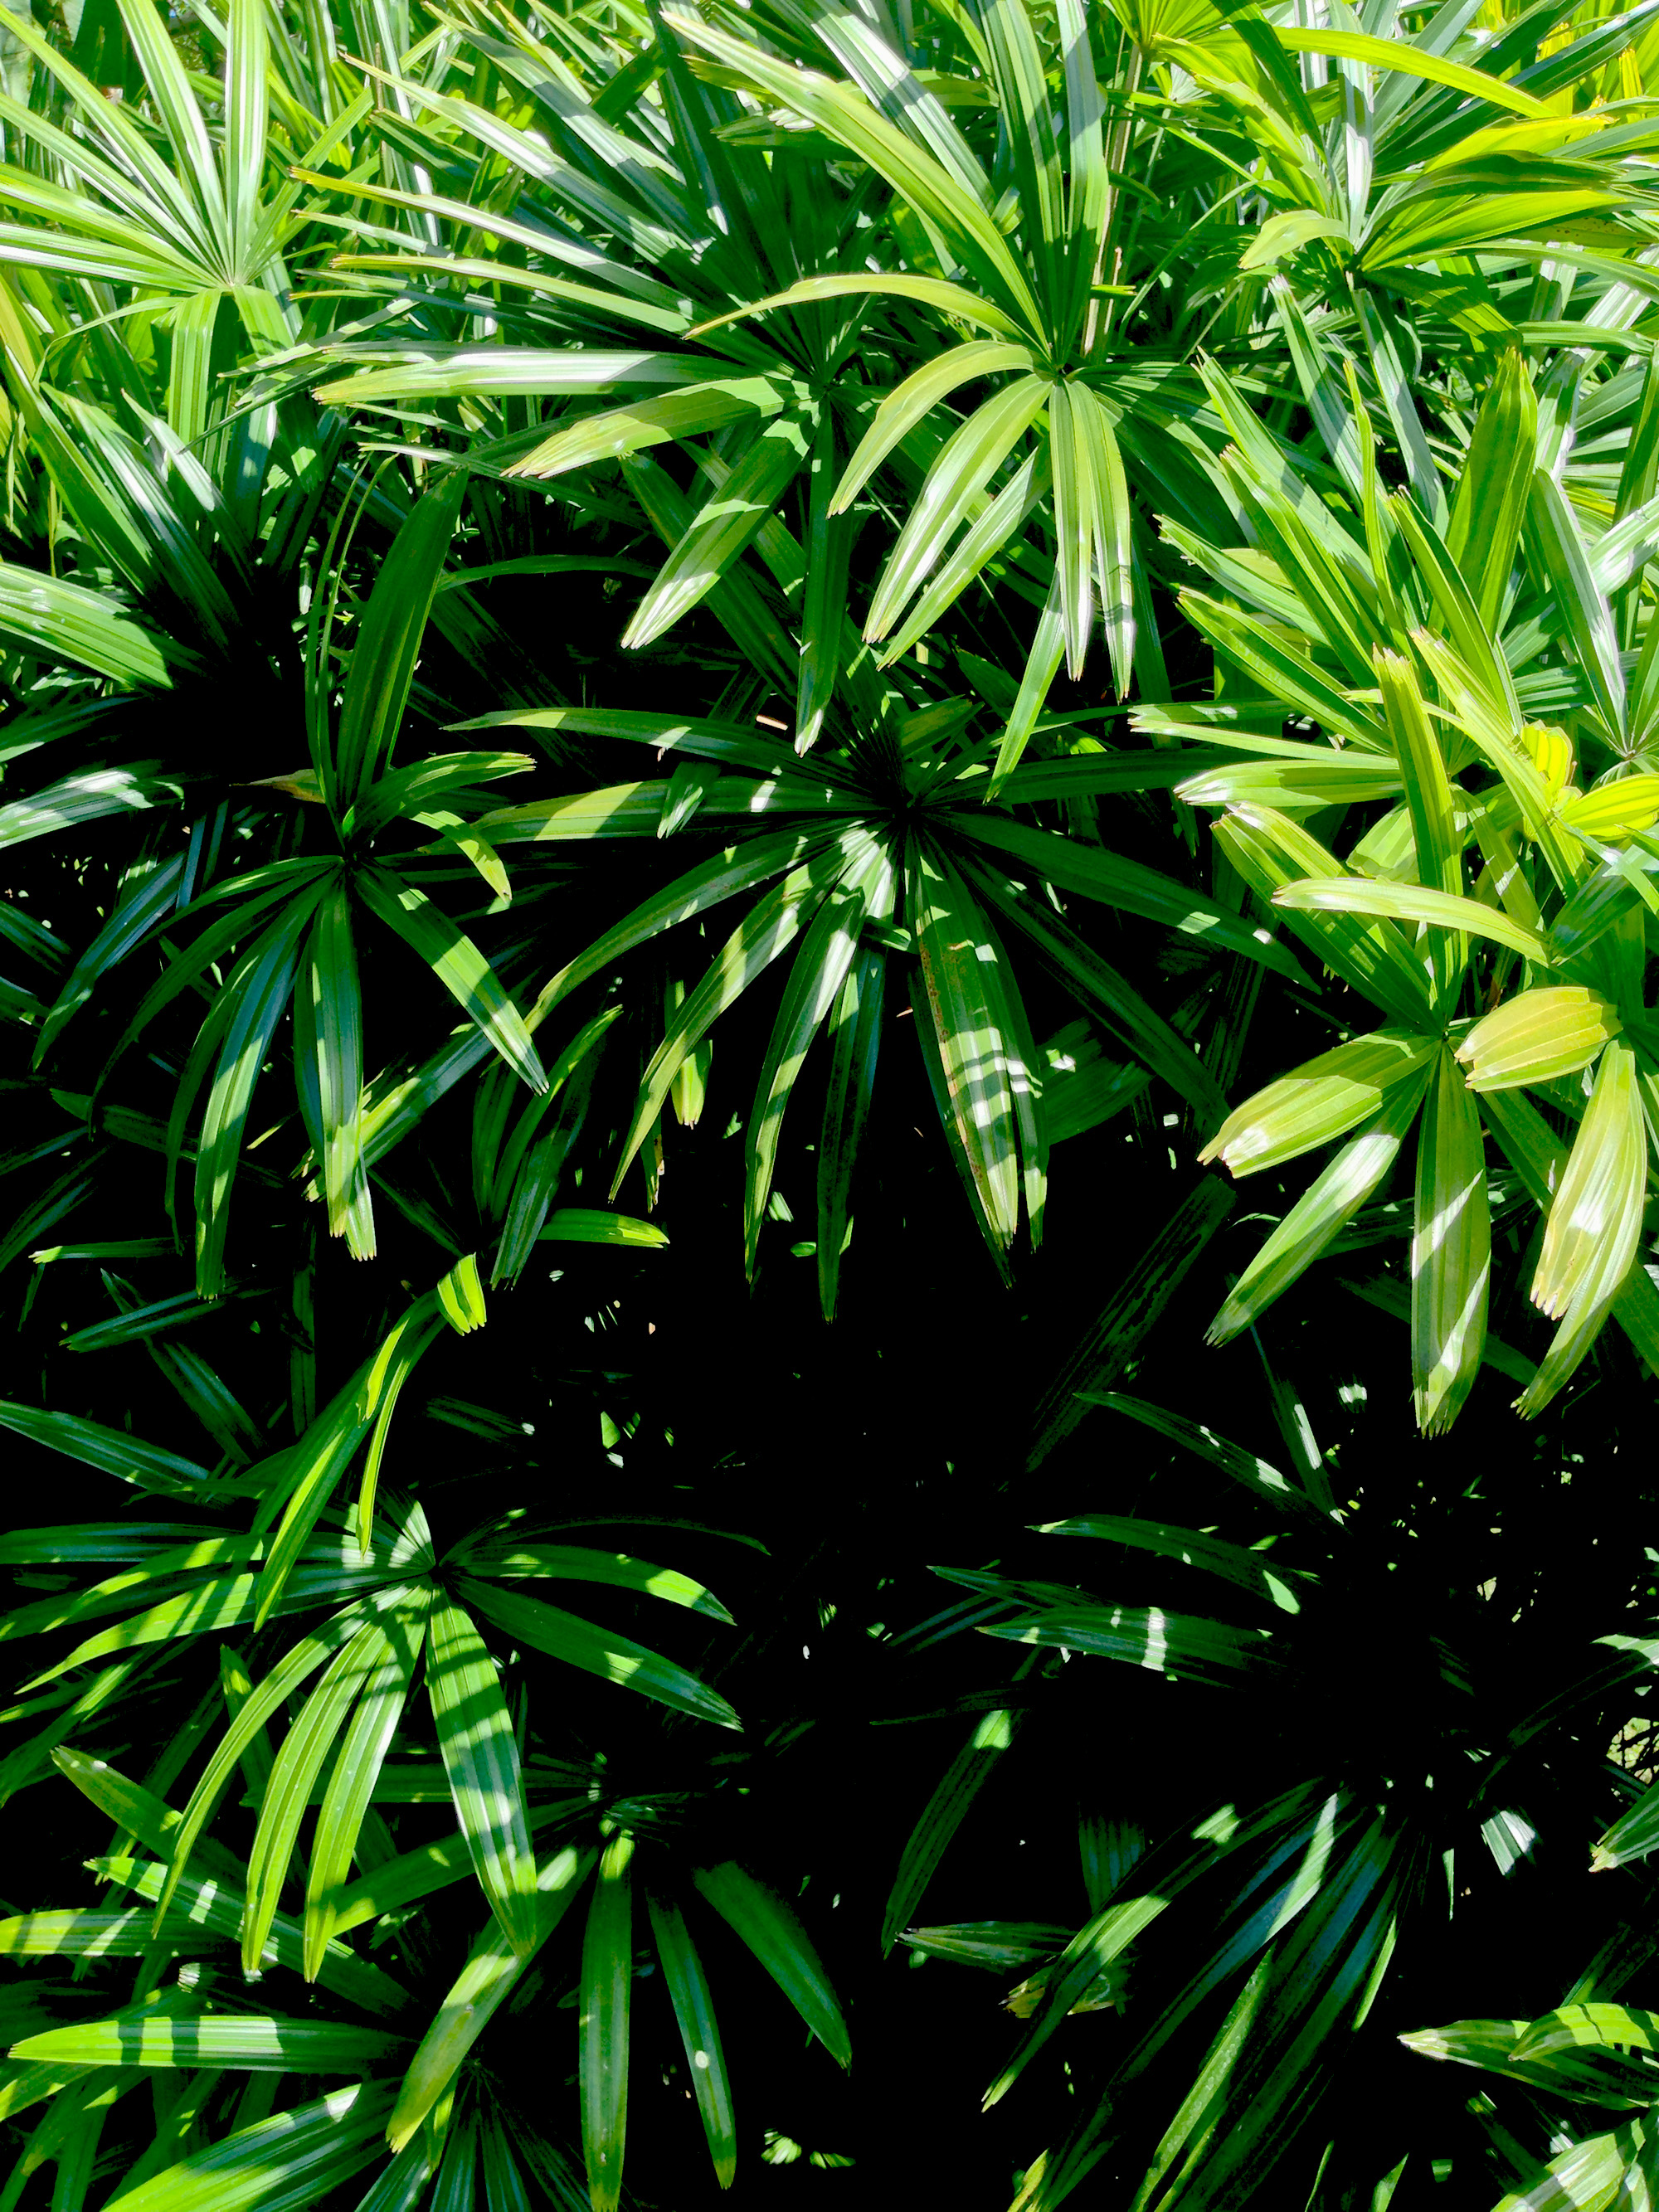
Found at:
[725, 524]
[218, 1601]
[147, 1578]
[138, 1812]
[1490, 507]
[911, 401]
[481, 1757]
[748, 614]
[460, 1296]
[1451, 1252]
[768, 929]
[1185, 1646]
[343, 1643]
[351, 1785]
[1585, 2178]
[694, 2012]
[1281, 669]
[1111, 998]
[504, 1558]
[1408, 58]
[1088, 1954]
[457, 963]
[505, 2187]
[224, 2039]
[147, 1466]
[308, 1744]
[329, 1033]
[590, 1224]
[965, 464]
[1103, 515]
[487, 1977]
[284, 2164]
[953, 1796]
[1324, 1977]
[854, 1042]
[1232, 1459]
[1320, 1100]
[405, 1881]
[828, 638]
[999, 520]
[843, 113]
[954, 943]
[257, 996]
[1272, 854]
[1134, 888]
[1318, 777]
[452, 778]
[1282, 236]
[89, 797]
[54, 619]
[953, 299]
[1429, 801]
[597, 1651]
[1324, 1209]
[151, 901]
[1490, 722]
[620, 810]
[1539, 1160]
[1630, 1837]
[1016, 65]
[1001, 1946]
[388, 643]
[735, 743]
[1588, 2026]
[766, 1925]
[246, 101]
[1594, 1222]
[135, 1324]
[1564, 561]
[1614, 812]
[314, 1467]
[1410, 902]
[738, 867]
[217, 1905]
[607, 1976]
[1077, 522]
[1536, 1037]
[83, 1934]
[1194, 1548]
[713, 403]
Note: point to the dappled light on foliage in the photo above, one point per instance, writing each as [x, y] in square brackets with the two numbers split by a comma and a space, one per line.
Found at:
[829, 836]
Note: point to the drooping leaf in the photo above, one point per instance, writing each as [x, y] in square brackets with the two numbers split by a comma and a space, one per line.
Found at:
[607, 1975]
[1451, 1251]
[480, 1756]
[764, 1922]
[694, 2011]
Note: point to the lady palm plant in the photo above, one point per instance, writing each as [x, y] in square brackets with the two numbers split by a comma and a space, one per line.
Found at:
[405, 1609]
[891, 847]
[800, 382]
[1599, 2055]
[1248, 1944]
[1414, 651]
[1404, 200]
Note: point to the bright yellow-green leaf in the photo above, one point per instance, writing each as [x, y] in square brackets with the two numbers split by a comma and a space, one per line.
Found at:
[1320, 1100]
[1590, 1237]
[1613, 812]
[1537, 1036]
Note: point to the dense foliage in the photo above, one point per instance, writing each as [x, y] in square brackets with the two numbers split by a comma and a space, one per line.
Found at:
[577, 584]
